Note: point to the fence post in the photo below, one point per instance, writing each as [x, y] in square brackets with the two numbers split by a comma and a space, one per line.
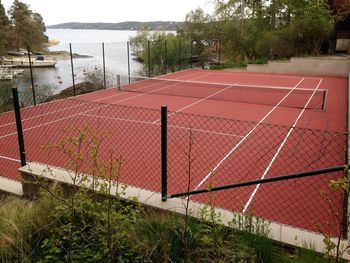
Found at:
[128, 51]
[104, 65]
[165, 53]
[19, 126]
[31, 75]
[164, 152]
[72, 68]
[191, 53]
[219, 60]
[118, 82]
[149, 58]
[180, 54]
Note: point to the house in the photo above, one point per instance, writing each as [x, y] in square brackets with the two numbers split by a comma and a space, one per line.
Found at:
[341, 37]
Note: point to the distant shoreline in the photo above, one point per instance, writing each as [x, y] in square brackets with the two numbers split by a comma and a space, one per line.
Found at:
[130, 25]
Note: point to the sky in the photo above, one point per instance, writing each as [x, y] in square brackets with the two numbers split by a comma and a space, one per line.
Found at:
[61, 11]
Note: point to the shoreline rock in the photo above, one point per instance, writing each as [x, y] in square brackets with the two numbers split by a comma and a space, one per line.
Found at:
[63, 55]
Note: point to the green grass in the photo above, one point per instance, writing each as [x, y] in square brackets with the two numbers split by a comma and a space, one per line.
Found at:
[37, 231]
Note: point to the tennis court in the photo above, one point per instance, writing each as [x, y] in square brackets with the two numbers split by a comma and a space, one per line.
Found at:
[232, 126]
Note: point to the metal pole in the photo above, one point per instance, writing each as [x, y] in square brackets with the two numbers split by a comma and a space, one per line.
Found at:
[149, 58]
[128, 50]
[19, 126]
[180, 54]
[118, 82]
[165, 61]
[72, 68]
[31, 75]
[191, 54]
[219, 62]
[262, 181]
[164, 152]
[104, 65]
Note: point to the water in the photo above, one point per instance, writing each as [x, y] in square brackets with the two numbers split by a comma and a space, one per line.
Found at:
[84, 42]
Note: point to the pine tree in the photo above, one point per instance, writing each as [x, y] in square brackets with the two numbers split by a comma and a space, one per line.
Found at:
[4, 25]
[28, 28]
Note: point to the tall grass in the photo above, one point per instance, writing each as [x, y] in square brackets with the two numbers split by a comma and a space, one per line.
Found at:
[22, 226]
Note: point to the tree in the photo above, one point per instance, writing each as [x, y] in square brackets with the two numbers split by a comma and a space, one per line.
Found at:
[28, 28]
[313, 25]
[4, 25]
[199, 30]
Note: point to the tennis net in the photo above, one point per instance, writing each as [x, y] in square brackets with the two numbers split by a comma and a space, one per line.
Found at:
[232, 92]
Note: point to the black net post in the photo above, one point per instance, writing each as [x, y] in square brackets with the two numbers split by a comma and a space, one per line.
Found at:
[72, 68]
[164, 151]
[19, 126]
[104, 65]
[128, 53]
[149, 57]
[31, 75]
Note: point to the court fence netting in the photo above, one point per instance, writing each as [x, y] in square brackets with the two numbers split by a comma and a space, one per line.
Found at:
[191, 156]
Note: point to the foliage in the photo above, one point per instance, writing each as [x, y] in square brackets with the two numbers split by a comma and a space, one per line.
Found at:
[23, 226]
[4, 32]
[160, 52]
[242, 31]
[22, 28]
[6, 102]
[334, 250]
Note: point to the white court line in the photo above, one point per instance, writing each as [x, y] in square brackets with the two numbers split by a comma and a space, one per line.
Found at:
[9, 159]
[171, 126]
[75, 106]
[270, 75]
[194, 103]
[246, 136]
[80, 113]
[221, 84]
[280, 148]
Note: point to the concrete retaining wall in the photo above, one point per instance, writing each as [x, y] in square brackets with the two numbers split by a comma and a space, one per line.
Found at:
[325, 66]
[278, 232]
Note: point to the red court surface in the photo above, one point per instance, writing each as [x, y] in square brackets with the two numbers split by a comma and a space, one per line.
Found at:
[239, 126]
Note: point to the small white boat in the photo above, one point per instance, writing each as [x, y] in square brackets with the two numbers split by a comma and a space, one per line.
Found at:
[16, 53]
[24, 62]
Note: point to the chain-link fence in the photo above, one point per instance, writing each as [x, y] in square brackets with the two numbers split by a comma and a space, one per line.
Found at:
[85, 66]
[202, 153]
[207, 152]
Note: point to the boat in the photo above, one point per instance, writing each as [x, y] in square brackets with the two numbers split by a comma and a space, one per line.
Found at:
[24, 62]
[16, 53]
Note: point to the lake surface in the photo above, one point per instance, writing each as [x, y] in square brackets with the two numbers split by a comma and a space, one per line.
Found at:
[84, 42]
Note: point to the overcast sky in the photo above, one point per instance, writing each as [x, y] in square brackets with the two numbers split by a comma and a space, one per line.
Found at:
[60, 11]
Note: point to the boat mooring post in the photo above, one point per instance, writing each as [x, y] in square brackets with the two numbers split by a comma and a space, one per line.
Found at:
[31, 75]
